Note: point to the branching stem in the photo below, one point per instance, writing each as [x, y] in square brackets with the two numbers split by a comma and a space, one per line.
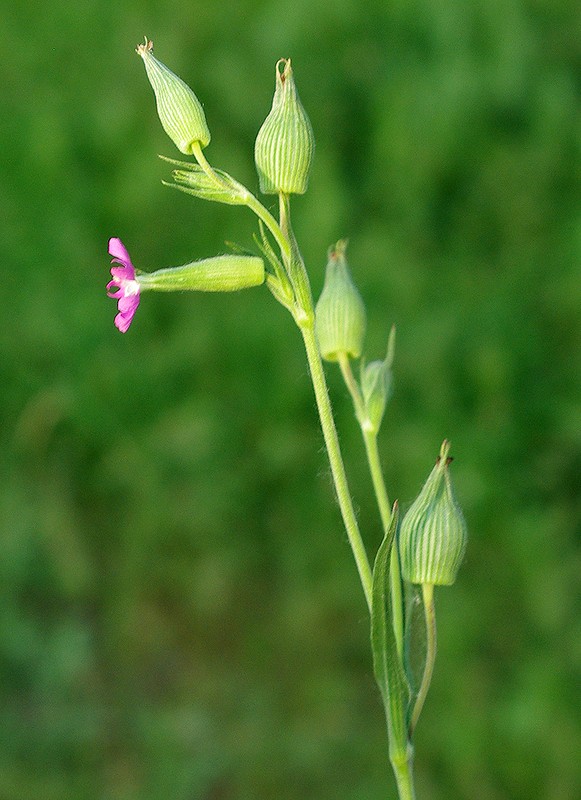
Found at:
[336, 460]
[372, 451]
[251, 201]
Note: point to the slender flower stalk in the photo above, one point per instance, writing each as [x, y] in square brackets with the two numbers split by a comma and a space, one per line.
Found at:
[369, 434]
[403, 770]
[336, 460]
[305, 318]
[251, 201]
[431, 648]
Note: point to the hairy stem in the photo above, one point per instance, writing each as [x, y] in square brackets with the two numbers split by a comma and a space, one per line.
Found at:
[336, 459]
[251, 201]
[402, 768]
[374, 462]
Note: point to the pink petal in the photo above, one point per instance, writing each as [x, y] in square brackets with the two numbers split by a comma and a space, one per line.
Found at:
[127, 307]
[119, 252]
[123, 287]
[123, 273]
[128, 303]
[122, 322]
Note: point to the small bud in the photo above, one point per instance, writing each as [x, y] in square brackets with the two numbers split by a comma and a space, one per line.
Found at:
[285, 143]
[432, 538]
[340, 313]
[377, 387]
[226, 273]
[178, 108]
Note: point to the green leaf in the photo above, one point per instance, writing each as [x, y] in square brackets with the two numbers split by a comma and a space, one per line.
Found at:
[387, 665]
[277, 281]
[217, 186]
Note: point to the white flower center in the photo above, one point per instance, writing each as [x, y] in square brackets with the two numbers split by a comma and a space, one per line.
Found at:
[130, 288]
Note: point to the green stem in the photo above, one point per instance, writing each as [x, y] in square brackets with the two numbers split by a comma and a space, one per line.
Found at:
[284, 238]
[251, 201]
[431, 646]
[284, 212]
[402, 768]
[270, 222]
[303, 310]
[336, 460]
[304, 315]
[374, 461]
[353, 386]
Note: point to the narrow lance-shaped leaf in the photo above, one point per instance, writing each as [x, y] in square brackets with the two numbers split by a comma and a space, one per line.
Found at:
[387, 666]
[219, 187]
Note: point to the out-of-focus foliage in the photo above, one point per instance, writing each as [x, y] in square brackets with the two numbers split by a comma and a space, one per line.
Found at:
[179, 612]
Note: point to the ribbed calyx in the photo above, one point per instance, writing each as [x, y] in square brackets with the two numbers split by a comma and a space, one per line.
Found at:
[285, 143]
[179, 110]
[340, 317]
[226, 273]
[432, 538]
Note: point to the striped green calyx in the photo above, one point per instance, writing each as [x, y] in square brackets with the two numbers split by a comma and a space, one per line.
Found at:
[340, 317]
[432, 538]
[179, 110]
[226, 273]
[285, 143]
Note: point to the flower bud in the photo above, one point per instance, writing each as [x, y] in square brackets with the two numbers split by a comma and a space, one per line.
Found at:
[340, 313]
[285, 143]
[377, 387]
[178, 108]
[226, 273]
[432, 538]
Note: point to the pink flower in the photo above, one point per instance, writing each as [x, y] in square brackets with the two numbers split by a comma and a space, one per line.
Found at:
[124, 287]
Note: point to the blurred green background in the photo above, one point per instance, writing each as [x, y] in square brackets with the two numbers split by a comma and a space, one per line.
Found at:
[180, 616]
